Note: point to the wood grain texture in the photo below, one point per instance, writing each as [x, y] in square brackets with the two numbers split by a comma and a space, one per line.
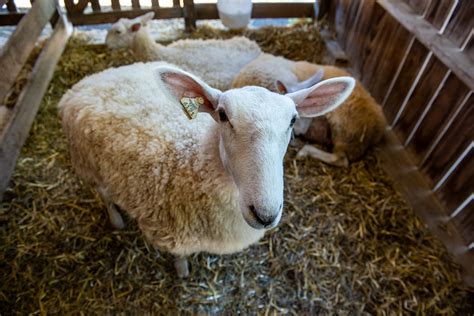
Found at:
[459, 186]
[442, 48]
[383, 52]
[465, 222]
[461, 23]
[459, 135]
[418, 6]
[438, 12]
[21, 42]
[414, 187]
[425, 90]
[28, 102]
[356, 44]
[176, 3]
[155, 4]
[405, 80]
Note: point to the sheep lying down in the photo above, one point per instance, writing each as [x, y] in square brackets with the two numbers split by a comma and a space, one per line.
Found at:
[215, 61]
[213, 183]
[349, 130]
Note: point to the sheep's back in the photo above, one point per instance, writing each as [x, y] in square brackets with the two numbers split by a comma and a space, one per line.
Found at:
[148, 156]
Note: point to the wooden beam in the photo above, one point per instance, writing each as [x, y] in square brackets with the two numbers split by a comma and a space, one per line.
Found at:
[95, 5]
[16, 132]
[115, 5]
[155, 3]
[189, 11]
[136, 4]
[11, 7]
[261, 10]
[176, 3]
[11, 18]
[21, 42]
[458, 61]
[111, 17]
[413, 186]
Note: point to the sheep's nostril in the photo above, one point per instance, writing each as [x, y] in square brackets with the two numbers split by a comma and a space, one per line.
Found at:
[262, 220]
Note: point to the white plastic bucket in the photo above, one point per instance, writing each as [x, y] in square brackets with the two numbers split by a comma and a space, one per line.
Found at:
[235, 14]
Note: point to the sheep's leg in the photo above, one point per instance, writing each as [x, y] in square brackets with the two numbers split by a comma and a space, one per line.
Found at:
[182, 267]
[114, 215]
[335, 159]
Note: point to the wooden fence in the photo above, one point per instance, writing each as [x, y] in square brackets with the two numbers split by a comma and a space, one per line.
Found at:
[77, 13]
[13, 56]
[417, 59]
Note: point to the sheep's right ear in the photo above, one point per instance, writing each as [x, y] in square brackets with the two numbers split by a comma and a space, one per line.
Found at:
[322, 97]
[185, 88]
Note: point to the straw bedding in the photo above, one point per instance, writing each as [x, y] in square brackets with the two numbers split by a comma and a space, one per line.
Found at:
[347, 243]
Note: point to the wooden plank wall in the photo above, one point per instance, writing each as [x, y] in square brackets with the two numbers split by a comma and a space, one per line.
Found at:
[416, 58]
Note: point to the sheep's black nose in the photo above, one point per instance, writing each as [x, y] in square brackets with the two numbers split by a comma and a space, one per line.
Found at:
[264, 218]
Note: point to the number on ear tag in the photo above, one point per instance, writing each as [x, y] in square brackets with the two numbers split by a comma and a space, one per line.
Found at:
[191, 106]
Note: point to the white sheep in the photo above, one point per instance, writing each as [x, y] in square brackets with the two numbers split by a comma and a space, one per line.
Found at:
[350, 130]
[215, 61]
[210, 184]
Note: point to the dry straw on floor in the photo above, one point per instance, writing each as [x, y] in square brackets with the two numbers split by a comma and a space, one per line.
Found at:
[347, 242]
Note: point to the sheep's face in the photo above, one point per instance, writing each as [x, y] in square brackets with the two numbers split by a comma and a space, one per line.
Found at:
[121, 33]
[255, 129]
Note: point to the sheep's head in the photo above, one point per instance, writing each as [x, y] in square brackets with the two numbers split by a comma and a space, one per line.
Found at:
[121, 33]
[255, 129]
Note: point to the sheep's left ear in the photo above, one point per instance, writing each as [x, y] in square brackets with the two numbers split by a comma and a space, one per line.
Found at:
[323, 97]
[147, 17]
[311, 81]
[189, 90]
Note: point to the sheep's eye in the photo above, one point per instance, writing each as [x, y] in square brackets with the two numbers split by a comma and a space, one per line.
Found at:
[223, 116]
[293, 120]
[118, 31]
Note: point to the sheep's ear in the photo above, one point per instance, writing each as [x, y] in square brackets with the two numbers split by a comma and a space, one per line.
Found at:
[147, 17]
[186, 88]
[281, 87]
[322, 97]
[135, 27]
[311, 81]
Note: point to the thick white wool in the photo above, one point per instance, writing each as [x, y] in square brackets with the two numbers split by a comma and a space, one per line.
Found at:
[217, 62]
[127, 137]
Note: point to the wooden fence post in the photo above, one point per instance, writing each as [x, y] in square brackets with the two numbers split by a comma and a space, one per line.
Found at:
[189, 15]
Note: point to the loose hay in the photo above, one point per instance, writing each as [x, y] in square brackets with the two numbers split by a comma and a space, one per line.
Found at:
[347, 242]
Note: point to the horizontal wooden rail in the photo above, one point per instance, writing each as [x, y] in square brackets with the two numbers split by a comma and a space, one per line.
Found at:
[261, 10]
[110, 17]
[445, 50]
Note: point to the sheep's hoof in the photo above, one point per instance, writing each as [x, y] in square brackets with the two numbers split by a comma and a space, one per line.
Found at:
[182, 267]
[303, 152]
[115, 218]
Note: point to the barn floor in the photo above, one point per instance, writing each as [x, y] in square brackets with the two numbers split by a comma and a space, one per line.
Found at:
[347, 242]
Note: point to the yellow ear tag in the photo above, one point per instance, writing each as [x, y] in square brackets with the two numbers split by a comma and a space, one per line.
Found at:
[191, 106]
